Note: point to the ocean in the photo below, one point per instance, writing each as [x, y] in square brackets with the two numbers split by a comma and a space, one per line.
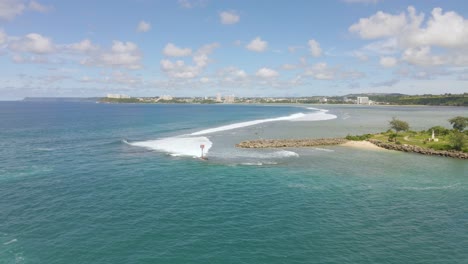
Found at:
[123, 183]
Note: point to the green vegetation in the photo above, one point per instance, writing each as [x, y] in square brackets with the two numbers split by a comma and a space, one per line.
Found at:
[459, 123]
[398, 125]
[445, 139]
[427, 99]
[359, 138]
[119, 100]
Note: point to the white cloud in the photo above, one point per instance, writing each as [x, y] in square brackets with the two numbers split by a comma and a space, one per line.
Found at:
[320, 71]
[388, 62]
[172, 50]
[257, 45]
[83, 46]
[422, 56]
[179, 69]
[383, 47]
[33, 43]
[266, 73]
[410, 35]
[314, 47]
[3, 37]
[36, 6]
[143, 26]
[379, 25]
[9, 9]
[229, 17]
[122, 55]
[448, 30]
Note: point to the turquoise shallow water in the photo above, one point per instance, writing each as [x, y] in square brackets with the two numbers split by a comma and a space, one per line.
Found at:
[72, 192]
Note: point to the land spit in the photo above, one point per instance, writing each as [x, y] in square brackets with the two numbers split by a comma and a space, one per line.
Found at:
[298, 143]
[419, 150]
[290, 143]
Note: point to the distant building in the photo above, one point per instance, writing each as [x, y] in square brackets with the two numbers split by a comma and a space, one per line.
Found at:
[362, 100]
[118, 96]
[229, 99]
[166, 97]
[323, 100]
[218, 97]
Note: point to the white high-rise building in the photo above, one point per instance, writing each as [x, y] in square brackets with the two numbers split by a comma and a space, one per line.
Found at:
[362, 100]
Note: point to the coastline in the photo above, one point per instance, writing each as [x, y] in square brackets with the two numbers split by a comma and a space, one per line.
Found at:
[371, 144]
[362, 145]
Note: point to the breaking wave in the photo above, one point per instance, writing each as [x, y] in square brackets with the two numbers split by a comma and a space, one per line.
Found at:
[189, 145]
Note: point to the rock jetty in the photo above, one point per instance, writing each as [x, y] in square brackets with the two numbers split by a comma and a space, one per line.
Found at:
[416, 149]
[290, 143]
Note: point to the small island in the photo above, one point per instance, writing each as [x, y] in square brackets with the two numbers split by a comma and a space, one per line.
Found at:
[437, 140]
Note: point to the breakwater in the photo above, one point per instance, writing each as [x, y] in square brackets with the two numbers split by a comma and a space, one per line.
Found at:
[290, 143]
[419, 150]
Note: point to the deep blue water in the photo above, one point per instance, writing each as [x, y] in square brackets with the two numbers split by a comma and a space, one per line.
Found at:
[71, 191]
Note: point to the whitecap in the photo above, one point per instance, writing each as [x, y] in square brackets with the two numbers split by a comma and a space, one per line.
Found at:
[324, 149]
[247, 123]
[10, 242]
[429, 188]
[177, 146]
[319, 115]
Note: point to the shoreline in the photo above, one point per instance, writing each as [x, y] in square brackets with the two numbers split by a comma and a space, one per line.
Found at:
[371, 144]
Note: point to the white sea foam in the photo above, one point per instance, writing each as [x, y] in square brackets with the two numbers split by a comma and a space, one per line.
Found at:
[429, 188]
[324, 149]
[177, 146]
[321, 114]
[11, 241]
[247, 123]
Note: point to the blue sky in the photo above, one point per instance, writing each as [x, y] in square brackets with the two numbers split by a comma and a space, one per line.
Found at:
[245, 48]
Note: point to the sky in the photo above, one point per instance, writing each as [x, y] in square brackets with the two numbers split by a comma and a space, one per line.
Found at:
[87, 48]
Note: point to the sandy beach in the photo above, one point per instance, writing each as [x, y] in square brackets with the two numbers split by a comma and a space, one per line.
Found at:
[361, 145]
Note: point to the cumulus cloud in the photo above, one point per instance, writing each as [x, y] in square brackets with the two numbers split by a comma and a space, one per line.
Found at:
[143, 26]
[33, 43]
[83, 46]
[229, 17]
[121, 55]
[9, 9]
[257, 45]
[266, 73]
[422, 56]
[388, 62]
[180, 69]
[314, 48]
[448, 30]
[379, 25]
[172, 50]
[410, 34]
